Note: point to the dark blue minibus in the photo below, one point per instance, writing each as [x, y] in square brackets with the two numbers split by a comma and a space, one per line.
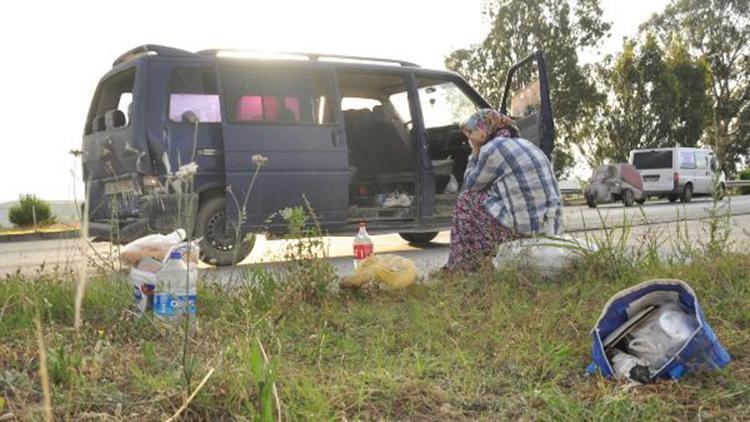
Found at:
[356, 138]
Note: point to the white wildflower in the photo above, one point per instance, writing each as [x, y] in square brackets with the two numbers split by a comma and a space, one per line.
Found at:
[187, 171]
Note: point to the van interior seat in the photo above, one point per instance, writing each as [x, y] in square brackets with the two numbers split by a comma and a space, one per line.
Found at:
[388, 148]
[382, 116]
[377, 149]
[114, 119]
[443, 167]
[355, 125]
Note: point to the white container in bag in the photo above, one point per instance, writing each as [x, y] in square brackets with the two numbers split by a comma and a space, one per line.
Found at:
[662, 335]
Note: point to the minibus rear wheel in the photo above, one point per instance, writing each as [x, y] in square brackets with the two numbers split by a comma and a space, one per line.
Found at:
[219, 247]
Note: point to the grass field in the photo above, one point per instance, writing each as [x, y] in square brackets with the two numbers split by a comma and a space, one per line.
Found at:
[493, 346]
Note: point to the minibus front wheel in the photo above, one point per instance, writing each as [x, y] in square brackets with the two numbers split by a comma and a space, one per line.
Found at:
[218, 246]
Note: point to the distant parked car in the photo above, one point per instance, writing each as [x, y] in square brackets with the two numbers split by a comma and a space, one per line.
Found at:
[614, 182]
[678, 173]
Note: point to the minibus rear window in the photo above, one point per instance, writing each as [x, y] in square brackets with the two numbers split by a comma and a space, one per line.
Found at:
[113, 94]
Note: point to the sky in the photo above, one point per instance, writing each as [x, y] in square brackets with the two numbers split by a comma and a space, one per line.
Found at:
[55, 52]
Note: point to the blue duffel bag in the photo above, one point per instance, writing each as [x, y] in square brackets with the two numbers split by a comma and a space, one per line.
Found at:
[700, 350]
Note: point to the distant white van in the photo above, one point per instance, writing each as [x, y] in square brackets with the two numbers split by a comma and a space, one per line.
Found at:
[678, 173]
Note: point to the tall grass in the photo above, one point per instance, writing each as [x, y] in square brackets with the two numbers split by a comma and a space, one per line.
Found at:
[43, 373]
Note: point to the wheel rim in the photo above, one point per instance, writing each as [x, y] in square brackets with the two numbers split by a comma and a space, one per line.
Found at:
[215, 234]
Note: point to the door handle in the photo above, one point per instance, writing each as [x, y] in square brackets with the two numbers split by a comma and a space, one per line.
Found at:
[334, 138]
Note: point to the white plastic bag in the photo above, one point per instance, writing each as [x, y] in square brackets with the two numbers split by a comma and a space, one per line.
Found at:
[548, 255]
[156, 246]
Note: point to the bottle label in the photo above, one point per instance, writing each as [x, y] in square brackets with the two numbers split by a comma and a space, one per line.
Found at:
[164, 304]
[362, 251]
[170, 305]
[184, 304]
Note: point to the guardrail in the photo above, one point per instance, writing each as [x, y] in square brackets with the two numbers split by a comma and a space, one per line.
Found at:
[737, 183]
[570, 187]
[571, 191]
[567, 189]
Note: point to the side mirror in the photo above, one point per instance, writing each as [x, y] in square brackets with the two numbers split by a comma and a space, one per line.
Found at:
[714, 164]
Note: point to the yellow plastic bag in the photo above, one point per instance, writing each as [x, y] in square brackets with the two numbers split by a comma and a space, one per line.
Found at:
[393, 271]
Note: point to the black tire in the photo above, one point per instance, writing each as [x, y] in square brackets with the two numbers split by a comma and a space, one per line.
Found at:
[687, 193]
[673, 198]
[628, 199]
[218, 248]
[591, 202]
[418, 238]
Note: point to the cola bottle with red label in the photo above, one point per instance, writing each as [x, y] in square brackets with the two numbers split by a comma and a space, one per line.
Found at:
[362, 245]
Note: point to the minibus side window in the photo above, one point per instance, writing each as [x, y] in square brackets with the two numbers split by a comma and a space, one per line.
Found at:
[278, 96]
[193, 89]
[687, 159]
[701, 159]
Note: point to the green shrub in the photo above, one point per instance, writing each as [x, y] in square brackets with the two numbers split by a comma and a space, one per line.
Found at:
[745, 175]
[28, 208]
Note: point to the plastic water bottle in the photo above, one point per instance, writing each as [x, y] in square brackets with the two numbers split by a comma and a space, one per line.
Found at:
[362, 245]
[175, 290]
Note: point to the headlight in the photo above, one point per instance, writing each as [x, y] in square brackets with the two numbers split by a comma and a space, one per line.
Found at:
[151, 184]
[150, 181]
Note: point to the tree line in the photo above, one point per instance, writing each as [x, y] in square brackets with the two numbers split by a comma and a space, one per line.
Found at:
[683, 78]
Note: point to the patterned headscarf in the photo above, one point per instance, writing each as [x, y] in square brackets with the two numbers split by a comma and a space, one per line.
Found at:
[492, 122]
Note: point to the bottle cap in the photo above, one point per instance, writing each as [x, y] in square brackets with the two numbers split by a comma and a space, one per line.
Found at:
[175, 255]
[362, 224]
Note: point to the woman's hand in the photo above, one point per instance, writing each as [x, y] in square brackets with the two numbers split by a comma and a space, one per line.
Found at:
[475, 146]
[477, 138]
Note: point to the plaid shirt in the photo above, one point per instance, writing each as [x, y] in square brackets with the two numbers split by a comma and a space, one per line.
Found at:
[524, 195]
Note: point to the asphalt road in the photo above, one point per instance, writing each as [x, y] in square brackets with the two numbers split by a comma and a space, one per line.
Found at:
[34, 256]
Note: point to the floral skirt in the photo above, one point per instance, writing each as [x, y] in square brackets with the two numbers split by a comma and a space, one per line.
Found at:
[475, 233]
